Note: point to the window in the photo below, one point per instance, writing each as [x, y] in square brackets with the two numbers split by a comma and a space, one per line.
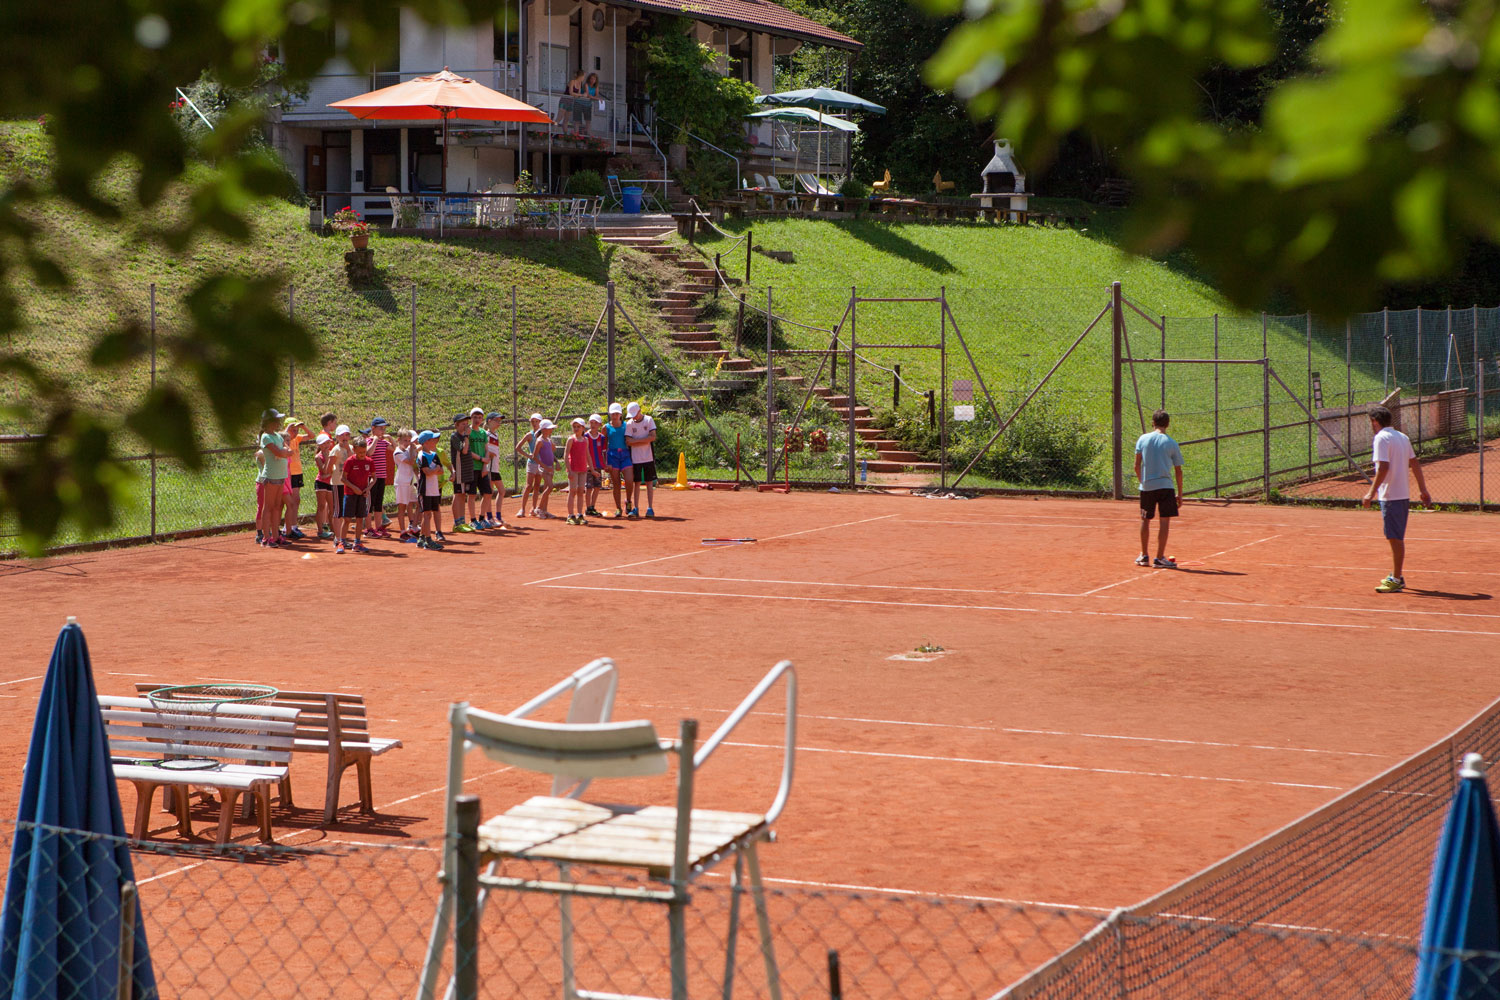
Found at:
[742, 58]
[552, 67]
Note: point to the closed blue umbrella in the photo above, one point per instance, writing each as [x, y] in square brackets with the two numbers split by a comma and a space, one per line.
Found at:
[1463, 906]
[60, 929]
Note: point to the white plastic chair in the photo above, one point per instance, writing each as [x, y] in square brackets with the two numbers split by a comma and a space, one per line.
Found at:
[776, 187]
[670, 844]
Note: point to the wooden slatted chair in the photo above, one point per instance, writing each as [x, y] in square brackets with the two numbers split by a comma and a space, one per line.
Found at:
[939, 185]
[883, 184]
[671, 844]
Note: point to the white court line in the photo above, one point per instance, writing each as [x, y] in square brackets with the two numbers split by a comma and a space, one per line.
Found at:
[1101, 910]
[1382, 569]
[1043, 767]
[23, 680]
[1030, 732]
[1198, 525]
[118, 673]
[700, 551]
[822, 583]
[1144, 576]
[1036, 611]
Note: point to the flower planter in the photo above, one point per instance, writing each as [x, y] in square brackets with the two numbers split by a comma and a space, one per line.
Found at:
[360, 240]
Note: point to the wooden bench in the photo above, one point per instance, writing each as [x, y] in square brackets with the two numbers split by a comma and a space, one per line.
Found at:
[142, 736]
[334, 725]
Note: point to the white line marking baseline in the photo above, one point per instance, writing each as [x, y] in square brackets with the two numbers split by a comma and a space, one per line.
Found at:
[23, 680]
[1016, 610]
[1026, 732]
[1043, 767]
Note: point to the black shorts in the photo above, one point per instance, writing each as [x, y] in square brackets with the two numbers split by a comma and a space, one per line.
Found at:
[460, 487]
[483, 486]
[1164, 501]
[592, 481]
[354, 506]
[294, 481]
[431, 503]
[645, 472]
[338, 499]
[318, 484]
[377, 494]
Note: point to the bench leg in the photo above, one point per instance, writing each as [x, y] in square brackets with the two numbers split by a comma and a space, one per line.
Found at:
[181, 803]
[143, 793]
[366, 795]
[336, 763]
[286, 792]
[262, 795]
[227, 799]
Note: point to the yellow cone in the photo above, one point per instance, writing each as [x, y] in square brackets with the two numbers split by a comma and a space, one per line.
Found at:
[681, 472]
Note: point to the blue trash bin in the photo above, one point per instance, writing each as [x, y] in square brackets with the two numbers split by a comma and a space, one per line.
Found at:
[631, 200]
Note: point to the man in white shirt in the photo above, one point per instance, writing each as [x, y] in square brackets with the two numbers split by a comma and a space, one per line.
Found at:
[640, 431]
[1393, 457]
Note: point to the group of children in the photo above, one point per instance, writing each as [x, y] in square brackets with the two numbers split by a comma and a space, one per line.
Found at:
[353, 471]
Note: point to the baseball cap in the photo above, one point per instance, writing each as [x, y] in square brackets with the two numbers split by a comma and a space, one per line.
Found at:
[341, 430]
[536, 416]
[478, 409]
[492, 415]
[366, 430]
[322, 439]
[547, 425]
[594, 418]
[380, 422]
[271, 413]
[578, 422]
[616, 408]
[633, 409]
[426, 436]
[460, 416]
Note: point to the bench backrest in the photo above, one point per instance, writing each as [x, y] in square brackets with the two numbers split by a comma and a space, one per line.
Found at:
[257, 734]
[336, 717]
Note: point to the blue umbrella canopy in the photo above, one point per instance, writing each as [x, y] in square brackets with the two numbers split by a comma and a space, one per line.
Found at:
[1463, 905]
[60, 928]
[820, 97]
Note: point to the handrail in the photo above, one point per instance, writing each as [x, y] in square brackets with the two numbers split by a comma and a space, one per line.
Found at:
[652, 140]
[716, 149]
[189, 102]
[782, 669]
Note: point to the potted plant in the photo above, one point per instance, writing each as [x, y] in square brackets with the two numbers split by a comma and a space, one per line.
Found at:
[347, 220]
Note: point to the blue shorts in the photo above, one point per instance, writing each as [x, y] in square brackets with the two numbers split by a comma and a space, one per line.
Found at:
[1393, 513]
[618, 459]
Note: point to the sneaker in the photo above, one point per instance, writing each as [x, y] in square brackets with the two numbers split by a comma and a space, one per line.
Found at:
[520, 513]
[325, 534]
[298, 534]
[633, 513]
[593, 512]
[440, 536]
[260, 536]
[619, 513]
[1164, 562]
[360, 547]
[338, 547]
[421, 542]
[385, 518]
[650, 512]
[409, 537]
[436, 546]
[1142, 560]
[466, 528]
[1391, 585]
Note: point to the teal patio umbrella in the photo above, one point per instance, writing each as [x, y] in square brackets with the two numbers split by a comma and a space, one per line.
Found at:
[820, 99]
[800, 114]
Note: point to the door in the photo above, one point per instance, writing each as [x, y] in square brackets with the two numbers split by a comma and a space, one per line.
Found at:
[314, 169]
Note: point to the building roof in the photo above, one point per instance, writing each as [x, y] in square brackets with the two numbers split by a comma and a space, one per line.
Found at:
[760, 15]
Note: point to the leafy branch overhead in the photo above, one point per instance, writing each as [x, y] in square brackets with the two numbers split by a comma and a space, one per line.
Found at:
[103, 78]
[1376, 164]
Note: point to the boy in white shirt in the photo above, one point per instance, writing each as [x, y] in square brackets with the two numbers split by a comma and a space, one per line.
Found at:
[1393, 457]
[640, 431]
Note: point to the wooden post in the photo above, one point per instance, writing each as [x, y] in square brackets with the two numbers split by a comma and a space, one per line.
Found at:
[466, 900]
[609, 340]
[896, 386]
[749, 252]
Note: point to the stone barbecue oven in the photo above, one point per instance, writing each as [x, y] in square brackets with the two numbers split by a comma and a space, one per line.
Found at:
[1001, 175]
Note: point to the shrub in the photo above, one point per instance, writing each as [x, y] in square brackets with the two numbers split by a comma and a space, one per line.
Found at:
[854, 188]
[586, 184]
[1041, 447]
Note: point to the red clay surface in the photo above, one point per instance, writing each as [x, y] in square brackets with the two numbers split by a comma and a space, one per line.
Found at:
[1092, 732]
[1450, 478]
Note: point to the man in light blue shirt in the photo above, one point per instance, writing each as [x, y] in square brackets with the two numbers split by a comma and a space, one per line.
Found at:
[1157, 460]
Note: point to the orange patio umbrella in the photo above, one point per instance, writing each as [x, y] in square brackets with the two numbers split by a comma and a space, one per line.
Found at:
[442, 95]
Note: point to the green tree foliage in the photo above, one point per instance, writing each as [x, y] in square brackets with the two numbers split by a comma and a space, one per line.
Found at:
[689, 93]
[1377, 164]
[103, 75]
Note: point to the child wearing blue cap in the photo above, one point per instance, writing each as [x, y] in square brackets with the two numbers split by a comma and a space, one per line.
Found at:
[430, 464]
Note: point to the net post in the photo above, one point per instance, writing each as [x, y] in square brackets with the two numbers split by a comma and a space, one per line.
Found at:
[466, 900]
[153, 386]
[771, 396]
[1117, 483]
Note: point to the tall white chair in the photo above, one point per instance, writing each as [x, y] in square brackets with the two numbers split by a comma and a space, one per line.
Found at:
[671, 844]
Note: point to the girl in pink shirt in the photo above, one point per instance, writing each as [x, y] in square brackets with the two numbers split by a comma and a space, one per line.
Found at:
[580, 461]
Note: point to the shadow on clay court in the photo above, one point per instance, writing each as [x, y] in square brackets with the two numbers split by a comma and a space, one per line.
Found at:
[18, 567]
[1445, 595]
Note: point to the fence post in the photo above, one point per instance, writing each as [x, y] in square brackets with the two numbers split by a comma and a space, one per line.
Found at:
[515, 399]
[1265, 417]
[1311, 424]
[739, 326]
[1216, 405]
[609, 342]
[931, 408]
[1479, 426]
[770, 398]
[896, 385]
[1349, 390]
[749, 252]
[942, 386]
[853, 341]
[291, 365]
[1117, 482]
[1385, 348]
[466, 900]
[414, 356]
[718, 270]
[1164, 362]
[129, 901]
[835, 979]
[153, 386]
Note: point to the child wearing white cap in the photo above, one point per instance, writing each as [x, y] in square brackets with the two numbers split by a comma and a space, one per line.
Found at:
[526, 448]
[593, 481]
[545, 457]
[580, 462]
[640, 431]
[617, 455]
[323, 487]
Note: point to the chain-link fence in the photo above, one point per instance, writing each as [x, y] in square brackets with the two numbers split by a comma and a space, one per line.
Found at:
[1034, 389]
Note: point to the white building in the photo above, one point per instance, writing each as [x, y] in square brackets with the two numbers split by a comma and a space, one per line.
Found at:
[531, 53]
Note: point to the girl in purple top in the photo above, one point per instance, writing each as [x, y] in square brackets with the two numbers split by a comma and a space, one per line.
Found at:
[545, 456]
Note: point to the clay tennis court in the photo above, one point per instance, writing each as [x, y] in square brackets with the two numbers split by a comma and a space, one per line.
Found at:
[1091, 732]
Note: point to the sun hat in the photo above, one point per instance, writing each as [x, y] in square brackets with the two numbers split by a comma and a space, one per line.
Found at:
[594, 418]
[426, 436]
[271, 413]
[547, 425]
[616, 408]
[578, 422]
[478, 409]
[536, 416]
[633, 409]
[322, 439]
[341, 430]
[293, 422]
[380, 422]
